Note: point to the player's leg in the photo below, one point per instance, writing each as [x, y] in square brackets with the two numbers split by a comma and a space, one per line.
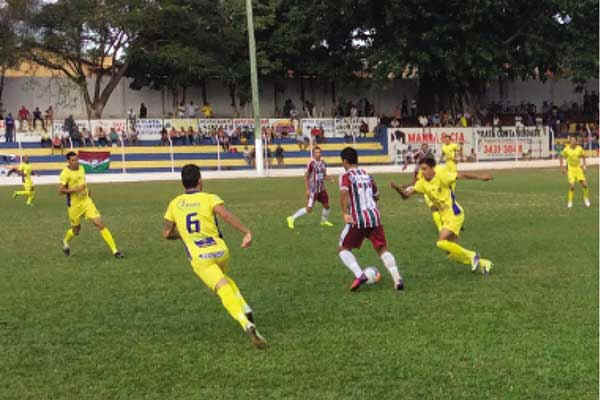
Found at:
[92, 213]
[377, 238]
[213, 277]
[351, 238]
[571, 193]
[323, 198]
[71, 233]
[301, 212]
[223, 263]
[30, 195]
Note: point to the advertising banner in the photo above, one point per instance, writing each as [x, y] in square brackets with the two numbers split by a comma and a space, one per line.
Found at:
[512, 142]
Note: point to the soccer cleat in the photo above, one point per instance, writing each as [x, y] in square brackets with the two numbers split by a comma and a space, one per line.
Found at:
[257, 340]
[66, 249]
[486, 266]
[400, 285]
[326, 223]
[290, 222]
[570, 204]
[118, 254]
[357, 282]
[475, 262]
[587, 202]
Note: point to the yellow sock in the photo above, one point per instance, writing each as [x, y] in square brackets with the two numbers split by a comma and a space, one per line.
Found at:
[233, 304]
[30, 197]
[457, 253]
[586, 193]
[21, 193]
[109, 240]
[437, 220]
[571, 194]
[68, 236]
[236, 290]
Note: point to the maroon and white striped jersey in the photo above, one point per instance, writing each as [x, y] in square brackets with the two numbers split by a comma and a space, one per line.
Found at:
[362, 190]
[316, 172]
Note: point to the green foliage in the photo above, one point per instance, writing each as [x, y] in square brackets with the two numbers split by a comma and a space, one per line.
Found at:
[145, 327]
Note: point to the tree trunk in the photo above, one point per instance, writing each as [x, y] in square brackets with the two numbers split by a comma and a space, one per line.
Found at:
[204, 95]
[232, 93]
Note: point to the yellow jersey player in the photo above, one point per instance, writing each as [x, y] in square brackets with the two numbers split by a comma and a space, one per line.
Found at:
[192, 217]
[437, 183]
[80, 204]
[449, 150]
[575, 166]
[25, 170]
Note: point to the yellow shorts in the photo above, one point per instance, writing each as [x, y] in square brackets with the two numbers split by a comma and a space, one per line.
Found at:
[212, 265]
[85, 209]
[575, 174]
[452, 222]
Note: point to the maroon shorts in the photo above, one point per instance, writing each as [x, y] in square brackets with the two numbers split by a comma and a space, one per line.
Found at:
[352, 237]
[321, 197]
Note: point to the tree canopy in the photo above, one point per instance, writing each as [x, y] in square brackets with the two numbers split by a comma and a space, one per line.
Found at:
[454, 49]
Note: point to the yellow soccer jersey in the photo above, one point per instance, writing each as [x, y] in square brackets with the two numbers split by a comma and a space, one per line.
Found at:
[72, 179]
[449, 151]
[573, 156]
[26, 169]
[196, 222]
[439, 190]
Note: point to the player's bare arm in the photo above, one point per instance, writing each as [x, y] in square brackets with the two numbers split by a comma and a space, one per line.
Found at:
[65, 190]
[583, 165]
[344, 203]
[478, 177]
[170, 230]
[562, 168]
[232, 220]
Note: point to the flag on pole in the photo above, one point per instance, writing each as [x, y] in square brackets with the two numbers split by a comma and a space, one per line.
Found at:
[94, 161]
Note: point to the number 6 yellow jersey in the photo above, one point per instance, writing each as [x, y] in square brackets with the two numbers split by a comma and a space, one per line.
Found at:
[194, 217]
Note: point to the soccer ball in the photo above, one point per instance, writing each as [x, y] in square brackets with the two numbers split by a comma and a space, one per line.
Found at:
[372, 274]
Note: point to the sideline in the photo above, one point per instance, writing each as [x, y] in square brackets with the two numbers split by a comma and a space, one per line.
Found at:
[277, 173]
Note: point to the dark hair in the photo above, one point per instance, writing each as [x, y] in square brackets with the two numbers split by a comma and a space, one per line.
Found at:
[70, 154]
[350, 155]
[317, 148]
[429, 161]
[190, 175]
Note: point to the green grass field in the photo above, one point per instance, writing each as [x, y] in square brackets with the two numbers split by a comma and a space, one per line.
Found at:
[92, 327]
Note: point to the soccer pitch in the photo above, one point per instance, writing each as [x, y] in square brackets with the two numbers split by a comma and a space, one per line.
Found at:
[92, 327]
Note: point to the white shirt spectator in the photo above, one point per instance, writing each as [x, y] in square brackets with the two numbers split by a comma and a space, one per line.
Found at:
[191, 110]
[423, 120]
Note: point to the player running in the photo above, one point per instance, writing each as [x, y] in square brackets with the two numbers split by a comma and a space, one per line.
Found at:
[25, 170]
[80, 204]
[437, 183]
[358, 196]
[423, 153]
[314, 181]
[449, 151]
[575, 166]
[192, 217]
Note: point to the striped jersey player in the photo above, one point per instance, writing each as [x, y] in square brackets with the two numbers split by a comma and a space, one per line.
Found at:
[314, 182]
[358, 196]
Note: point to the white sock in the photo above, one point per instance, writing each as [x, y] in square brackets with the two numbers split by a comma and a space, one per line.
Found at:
[350, 261]
[390, 263]
[325, 214]
[299, 213]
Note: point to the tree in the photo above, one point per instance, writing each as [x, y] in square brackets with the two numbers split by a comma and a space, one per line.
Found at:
[457, 47]
[10, 46]
[84, 40]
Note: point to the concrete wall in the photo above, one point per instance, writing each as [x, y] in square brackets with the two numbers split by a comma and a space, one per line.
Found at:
[66, 99]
